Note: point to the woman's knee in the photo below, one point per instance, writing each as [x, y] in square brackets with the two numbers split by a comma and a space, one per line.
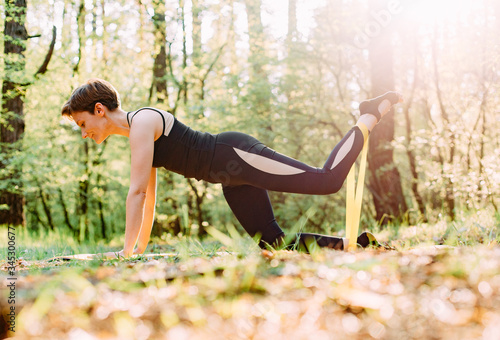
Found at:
[327, 186]
[273, 242]
[335, 186]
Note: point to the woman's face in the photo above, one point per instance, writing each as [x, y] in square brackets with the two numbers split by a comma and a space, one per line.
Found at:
[92, 125]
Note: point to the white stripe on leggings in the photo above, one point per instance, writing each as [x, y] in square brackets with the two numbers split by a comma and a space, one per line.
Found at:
[267, 165]
[344, 150]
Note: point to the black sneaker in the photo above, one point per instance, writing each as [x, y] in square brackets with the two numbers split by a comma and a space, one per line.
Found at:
[367, 239]
[371, 106]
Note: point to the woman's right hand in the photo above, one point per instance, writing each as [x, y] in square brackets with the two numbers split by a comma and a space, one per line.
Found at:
[138, 252]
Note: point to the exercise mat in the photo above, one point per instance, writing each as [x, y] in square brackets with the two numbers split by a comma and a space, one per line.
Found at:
[89, 257]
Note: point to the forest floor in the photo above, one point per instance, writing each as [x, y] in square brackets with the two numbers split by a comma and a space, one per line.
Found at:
[421, 290]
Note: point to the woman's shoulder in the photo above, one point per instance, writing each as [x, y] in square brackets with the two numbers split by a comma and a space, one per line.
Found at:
[149, 108]
[167, 118]
[165, 114]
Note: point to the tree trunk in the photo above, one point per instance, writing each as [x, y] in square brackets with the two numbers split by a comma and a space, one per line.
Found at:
[65, 209]
[385, 179]
[160, 59]
[83, 184]
[80, 28]
[412, 160]
[409, 136]
[197, 107]
[184, 87]
[174, 225]
[449, 135]
[45, 206]
[199, 198]
[256, 37]
[197, 43]
[12, 122]
[259, 97]
[83, 192]
[96, 161]
[232, 42]
[100, 206]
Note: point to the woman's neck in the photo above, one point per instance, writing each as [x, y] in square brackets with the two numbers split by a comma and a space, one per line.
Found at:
[118, 122]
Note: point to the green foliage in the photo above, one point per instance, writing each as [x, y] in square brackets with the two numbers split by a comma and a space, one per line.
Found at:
[40, 245]
[298, 94]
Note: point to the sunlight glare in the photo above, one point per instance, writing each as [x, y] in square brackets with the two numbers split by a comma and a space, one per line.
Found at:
[275, 16]
[431, 11]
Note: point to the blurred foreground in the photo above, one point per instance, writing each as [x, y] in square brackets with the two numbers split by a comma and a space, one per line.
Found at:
[427, 292]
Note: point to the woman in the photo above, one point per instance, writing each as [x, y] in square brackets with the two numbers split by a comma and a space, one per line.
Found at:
[245, 167]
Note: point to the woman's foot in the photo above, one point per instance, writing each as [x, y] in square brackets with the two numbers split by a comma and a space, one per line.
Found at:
[367, 239]
[379, 106]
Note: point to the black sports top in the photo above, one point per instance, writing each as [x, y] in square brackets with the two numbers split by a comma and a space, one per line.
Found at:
[184, 150]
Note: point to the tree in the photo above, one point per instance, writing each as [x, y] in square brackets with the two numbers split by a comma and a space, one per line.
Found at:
[160, 59]
[450, 136]
[413, 45]
[259, 96]
[385, 180]
[12, 123]
[14, 87]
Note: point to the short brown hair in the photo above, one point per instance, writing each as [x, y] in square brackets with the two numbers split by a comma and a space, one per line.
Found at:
[87, 95]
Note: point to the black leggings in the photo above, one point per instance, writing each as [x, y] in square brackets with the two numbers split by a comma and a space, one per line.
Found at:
[246, 168]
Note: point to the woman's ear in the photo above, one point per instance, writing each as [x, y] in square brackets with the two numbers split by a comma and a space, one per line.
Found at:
[99, 109]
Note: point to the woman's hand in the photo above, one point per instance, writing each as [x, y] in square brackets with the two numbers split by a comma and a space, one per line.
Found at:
[116, 254]
[111, 254]
[137, 251]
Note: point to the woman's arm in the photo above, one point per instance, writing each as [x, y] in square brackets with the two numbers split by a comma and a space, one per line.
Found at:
[147, 221]
[141, 154]
[149, 214]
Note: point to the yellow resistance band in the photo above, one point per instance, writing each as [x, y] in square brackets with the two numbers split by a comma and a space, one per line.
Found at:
[354, 196]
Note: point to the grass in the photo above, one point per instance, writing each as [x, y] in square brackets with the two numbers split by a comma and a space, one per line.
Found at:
[227, 288]
[41, 245]
[469, 229]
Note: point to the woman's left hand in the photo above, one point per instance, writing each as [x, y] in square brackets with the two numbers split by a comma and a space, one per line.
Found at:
[115, 254]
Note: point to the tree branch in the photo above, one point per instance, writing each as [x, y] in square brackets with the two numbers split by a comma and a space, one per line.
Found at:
[43, 67]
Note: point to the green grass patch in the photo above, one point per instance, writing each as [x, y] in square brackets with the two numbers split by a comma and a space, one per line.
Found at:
[443, 279]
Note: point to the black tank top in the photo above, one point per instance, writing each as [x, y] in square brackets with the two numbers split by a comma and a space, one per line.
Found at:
[184, 151]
